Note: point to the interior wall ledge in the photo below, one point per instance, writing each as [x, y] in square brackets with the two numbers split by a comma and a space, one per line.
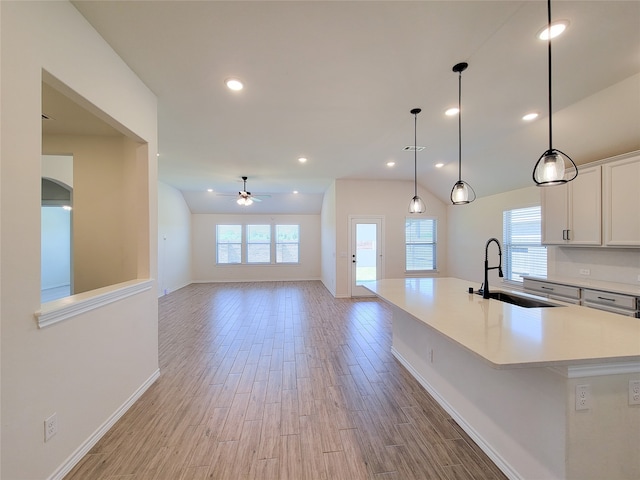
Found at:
[53, 312]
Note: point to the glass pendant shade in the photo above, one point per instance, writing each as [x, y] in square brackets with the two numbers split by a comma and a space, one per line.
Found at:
[462, 193]
[417, 205]
[551, 168]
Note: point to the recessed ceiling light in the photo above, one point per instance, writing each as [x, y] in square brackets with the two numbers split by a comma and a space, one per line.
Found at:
[209, 190]
[233, 84]
[390, 164]
[439, 165]
[295, 192]
[530, 116]
[451, 111]
[556, 29]
[302, 160]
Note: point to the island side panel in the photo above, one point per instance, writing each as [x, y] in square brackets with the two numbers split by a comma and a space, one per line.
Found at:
[604, 441]
[517, 416]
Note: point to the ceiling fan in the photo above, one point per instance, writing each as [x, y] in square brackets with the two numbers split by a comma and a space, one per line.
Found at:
[245, 198]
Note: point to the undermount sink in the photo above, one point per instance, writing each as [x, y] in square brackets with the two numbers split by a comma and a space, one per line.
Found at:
[521, 301]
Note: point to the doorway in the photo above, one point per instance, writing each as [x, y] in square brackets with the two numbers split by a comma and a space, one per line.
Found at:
[366, 253]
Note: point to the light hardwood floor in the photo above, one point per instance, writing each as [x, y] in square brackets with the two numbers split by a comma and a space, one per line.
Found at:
[279, 380]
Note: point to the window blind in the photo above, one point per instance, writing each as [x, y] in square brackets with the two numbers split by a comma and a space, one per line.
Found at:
[523, 254]
[420, 244]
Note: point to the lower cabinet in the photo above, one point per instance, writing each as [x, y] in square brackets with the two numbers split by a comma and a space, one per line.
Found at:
[554, 291]
[622, 304]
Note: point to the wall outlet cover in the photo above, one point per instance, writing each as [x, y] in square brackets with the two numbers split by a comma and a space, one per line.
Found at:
[583, 397]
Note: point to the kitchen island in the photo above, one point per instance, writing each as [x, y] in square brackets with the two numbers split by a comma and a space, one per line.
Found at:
[508, 376]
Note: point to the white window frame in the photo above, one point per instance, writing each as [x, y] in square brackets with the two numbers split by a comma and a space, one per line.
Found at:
[530, 238]
[434, 245]
[276, 243]
[244, 244]
[241, 243]
[248, 244]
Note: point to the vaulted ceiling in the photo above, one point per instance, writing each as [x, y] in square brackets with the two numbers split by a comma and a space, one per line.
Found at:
[334, 81]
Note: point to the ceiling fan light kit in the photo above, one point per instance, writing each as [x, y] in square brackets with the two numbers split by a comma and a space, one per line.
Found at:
[551, 168]
[461, 193]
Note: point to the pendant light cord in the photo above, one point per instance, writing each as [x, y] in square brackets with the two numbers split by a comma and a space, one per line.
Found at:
[415, 154]
[549, 40]
[459, 126]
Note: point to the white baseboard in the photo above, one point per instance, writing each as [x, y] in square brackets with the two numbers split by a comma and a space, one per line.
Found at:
[167, 291]
[259, 280]
[475, 436]
[88, 444]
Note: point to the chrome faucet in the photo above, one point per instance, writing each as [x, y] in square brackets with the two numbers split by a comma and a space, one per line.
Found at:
[485, 287]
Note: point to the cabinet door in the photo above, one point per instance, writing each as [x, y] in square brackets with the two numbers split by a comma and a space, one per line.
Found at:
[621, 182]
[554, 211]
[585, 208]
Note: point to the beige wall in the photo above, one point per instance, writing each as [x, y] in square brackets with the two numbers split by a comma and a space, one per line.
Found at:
[107, 203]
[471, 225]
[389, 199]
[204, 266]
[87, 367]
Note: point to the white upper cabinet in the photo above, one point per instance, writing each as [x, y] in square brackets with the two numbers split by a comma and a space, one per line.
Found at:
[621, 202]
[571, 213]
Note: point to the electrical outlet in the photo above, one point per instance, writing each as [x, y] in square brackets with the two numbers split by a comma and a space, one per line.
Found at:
[634, 392]
[583, 397]
[585, 271]
[50, 427]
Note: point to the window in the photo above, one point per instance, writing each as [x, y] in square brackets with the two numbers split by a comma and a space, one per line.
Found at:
[287, 243]
[420, 239]
[258, 243]
[229, 243]
[523, 254]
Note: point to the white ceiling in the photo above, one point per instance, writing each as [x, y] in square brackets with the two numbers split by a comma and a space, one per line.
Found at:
[334, 81]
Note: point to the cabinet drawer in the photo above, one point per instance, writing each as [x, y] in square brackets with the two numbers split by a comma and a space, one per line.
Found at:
[610, 299]
[554, 289]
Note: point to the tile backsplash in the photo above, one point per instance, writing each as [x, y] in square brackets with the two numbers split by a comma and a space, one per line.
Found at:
[621, 265]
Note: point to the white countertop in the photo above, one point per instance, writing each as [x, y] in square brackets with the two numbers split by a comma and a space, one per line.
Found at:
[614, 287]
[509, 336]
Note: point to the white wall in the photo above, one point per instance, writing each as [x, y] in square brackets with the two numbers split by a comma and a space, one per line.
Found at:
[84, 368]
[328, 240]
[389, 199]
[471, 225]
[174, 240]
[204, 266]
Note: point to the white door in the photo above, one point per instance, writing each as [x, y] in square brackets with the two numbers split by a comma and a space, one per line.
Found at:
[366, 253]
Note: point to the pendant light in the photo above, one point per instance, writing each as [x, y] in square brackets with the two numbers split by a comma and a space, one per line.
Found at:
[462, 192]
[416, 205]
[550, 167]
